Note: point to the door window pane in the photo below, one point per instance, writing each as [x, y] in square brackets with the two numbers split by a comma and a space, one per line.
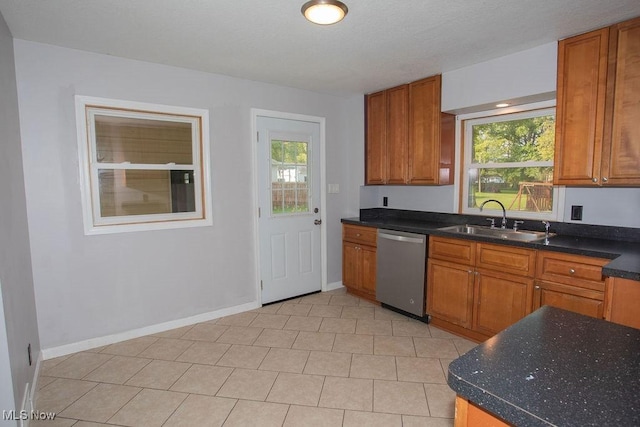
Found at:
[289, 183]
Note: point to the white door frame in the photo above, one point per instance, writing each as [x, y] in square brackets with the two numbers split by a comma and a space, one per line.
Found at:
[321, 121]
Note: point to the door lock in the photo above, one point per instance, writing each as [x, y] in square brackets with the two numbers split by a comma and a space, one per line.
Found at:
[317, 222]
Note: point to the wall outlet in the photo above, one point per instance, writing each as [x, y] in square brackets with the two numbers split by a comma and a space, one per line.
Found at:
[29, 354]
[385, 201]
[576, 213]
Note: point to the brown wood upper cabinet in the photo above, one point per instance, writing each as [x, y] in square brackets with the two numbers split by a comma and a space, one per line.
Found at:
[408, 139]
[597, 132]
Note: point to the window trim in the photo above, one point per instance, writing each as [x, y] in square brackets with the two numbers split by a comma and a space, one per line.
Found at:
[86, 108]
[520, 111]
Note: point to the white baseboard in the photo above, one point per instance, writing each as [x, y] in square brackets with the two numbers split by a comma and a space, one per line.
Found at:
[63, 350]
[34, 382]
[333, 286]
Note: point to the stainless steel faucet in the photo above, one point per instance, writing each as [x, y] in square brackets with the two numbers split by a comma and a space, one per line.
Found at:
[547, 225]
[504, 211]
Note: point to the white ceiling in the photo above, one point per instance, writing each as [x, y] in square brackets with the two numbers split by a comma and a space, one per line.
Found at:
[381, 43]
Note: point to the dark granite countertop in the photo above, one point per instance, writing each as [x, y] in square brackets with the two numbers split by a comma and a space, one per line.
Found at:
[615, 243]
[555, 368]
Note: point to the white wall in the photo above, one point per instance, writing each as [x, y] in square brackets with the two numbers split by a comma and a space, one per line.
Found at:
[7, 400]
[523, 77]
[93, 286]
[18, 322]
[519, 76]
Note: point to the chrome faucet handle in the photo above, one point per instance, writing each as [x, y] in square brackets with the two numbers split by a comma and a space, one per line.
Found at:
[516, 223]
[493, 222]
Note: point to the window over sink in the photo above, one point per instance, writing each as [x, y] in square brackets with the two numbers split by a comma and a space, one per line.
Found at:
[509, 157]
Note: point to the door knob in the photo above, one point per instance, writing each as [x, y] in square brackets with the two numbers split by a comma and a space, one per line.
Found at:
[317, 222]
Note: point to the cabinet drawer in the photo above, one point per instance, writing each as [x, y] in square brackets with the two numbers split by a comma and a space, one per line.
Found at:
[572, 298]
[572, 270]
[454, 250]
[507, 259]
[360, 234]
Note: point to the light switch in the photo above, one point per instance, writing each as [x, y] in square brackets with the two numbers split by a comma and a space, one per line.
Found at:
[334, 188]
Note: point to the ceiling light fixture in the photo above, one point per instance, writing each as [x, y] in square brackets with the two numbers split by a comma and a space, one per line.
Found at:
[324, 12]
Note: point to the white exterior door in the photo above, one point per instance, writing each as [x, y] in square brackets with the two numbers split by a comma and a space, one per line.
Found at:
[289, 205]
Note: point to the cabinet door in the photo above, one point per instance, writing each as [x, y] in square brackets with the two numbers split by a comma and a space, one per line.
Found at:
[376, 131]
[350, 264]
[424, 131]
[368, 269]
[582, 84]
[583, 301]
[397, 134]
[450, 292]
[501, 300]
[621, 154]
[622, 301]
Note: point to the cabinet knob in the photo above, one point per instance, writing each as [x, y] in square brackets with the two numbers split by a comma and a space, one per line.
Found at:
[571, 271]
[469, 271]
[605, 179]
[357, 234]
[536, 287]
[595, 180]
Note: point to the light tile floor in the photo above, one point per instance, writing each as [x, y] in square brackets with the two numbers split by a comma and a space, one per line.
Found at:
[328, 359]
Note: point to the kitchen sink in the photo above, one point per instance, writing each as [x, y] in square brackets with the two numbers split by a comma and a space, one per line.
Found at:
[498, 233]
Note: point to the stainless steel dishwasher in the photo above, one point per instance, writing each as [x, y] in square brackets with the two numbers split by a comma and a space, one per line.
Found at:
[400, 270]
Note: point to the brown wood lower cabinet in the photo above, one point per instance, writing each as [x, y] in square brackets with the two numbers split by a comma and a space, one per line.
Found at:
[450, 292]
[359, 260]
[470, 415]
[623, 298]
[478, 289]
[571, 282]
[572, 298]
[501, 300]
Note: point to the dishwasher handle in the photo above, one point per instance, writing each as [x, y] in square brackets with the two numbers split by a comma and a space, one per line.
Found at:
[400, 238]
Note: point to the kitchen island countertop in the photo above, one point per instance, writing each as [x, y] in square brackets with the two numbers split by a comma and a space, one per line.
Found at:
[555, 368]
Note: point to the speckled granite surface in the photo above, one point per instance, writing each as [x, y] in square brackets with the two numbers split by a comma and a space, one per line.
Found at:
[619, 244]
[555, 368]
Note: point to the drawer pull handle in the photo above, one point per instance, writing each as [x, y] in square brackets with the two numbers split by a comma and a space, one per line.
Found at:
[572, 271]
